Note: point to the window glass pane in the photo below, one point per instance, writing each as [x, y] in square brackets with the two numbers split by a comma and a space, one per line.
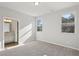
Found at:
[68, 25]
[39, 23]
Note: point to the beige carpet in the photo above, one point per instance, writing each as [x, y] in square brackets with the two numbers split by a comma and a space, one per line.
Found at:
[39, 48]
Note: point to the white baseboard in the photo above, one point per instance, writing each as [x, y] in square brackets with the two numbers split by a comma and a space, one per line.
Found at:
[61, 45]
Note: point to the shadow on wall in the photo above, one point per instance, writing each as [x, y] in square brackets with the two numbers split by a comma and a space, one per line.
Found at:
[25, 33]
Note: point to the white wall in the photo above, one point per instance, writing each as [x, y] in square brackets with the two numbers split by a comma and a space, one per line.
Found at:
[23, 20]
[52, 29]
[14, 29]
[1, 33]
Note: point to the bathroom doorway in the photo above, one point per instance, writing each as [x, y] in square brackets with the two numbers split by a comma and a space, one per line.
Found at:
[10, 29]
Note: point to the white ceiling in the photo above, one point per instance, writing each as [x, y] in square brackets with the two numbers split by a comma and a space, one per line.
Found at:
[42, 8]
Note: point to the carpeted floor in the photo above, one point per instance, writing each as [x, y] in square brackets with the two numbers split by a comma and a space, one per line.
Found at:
[39, 48]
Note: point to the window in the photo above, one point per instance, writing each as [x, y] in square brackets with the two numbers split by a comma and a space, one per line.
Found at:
[68, 23]
[39, 23]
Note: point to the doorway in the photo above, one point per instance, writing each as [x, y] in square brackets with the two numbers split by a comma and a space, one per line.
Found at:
[10, 29]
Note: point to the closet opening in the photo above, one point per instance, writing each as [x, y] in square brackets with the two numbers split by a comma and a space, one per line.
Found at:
[10, 29]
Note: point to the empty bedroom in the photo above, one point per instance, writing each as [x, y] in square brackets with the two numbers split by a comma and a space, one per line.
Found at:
[39, 28]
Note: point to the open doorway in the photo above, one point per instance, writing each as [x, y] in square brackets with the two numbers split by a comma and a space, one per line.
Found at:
[10, 32]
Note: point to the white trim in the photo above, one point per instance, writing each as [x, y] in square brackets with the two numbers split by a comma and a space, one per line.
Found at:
[61, 45]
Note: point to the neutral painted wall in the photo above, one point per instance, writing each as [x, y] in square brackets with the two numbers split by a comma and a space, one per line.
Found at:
[1, 33]
[14, 29]
[23, 20]
[52, 29]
